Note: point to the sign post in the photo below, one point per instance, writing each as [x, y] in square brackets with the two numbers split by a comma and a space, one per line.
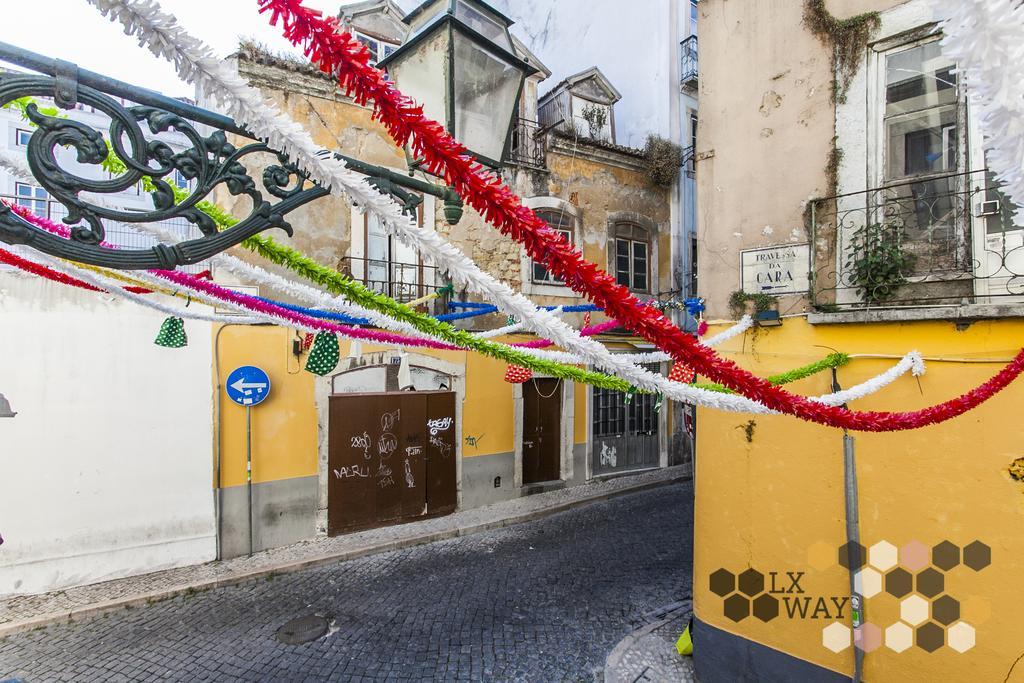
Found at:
[248, 386]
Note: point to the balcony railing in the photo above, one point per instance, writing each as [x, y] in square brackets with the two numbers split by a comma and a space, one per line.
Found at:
[937, 240]
[121, 235]
[690, 66]
[527, 148]
[403, 282]
[689, 161]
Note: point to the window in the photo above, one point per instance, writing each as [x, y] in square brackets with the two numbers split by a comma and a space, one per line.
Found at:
[561, 223]
[921, 113]
[632, 258]
[379, 49]
[592, 119]
[390, 267]
[923, 150]
[178, 179]
[33, 198]
[618, 414]
[21, 137]
[693, 17]
[693, 132]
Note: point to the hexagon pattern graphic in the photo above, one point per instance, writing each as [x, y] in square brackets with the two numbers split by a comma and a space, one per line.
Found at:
[977, 555]
[914, 556]
[913, 573]
[751, 582]
[961, 636]
[766, 607]
[836, 637]
[722, 582]
[930, 637]
[852, 555]
[867, 582]
[946, 555]
[737, 607]
[868, 637]
[945, 610]
[930, 582]
[883, 556]
[899, 582]
[914, 610]
[821, 555]
[899, 637]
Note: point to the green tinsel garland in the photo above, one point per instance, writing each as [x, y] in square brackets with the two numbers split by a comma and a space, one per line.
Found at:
[341, 285]
[835, 360]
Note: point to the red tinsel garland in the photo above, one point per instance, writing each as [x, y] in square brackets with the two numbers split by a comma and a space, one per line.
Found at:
[336, 52]
[13, 259]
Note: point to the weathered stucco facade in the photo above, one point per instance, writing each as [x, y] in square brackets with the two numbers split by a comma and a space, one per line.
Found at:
[594, 190]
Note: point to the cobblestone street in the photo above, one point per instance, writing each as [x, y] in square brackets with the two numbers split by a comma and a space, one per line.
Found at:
[543, 601]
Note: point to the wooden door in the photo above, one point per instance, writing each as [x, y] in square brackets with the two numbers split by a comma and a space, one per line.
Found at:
[391, 458]
[542, 430]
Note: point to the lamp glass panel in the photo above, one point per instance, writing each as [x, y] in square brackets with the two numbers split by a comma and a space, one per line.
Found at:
[484, 23]
[421, 74]
[486, 88]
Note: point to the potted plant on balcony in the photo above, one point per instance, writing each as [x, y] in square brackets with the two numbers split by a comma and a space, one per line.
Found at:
[878, 262]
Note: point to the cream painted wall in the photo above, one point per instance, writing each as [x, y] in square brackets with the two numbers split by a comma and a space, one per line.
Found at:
[106, 470]
[766, 126]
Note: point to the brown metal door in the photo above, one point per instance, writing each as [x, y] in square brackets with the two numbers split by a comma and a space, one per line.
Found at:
[440, 434]
[379, 447]
[542, 430]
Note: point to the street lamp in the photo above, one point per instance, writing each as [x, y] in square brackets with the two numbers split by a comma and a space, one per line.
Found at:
[460, 64]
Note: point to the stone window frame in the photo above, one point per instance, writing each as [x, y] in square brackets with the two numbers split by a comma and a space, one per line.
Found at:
[531, 288]
[618, 218]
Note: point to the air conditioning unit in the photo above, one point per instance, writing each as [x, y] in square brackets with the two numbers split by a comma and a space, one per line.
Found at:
[991, 208]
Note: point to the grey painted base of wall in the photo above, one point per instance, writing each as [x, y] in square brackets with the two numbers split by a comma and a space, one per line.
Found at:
[478, 475]
[284, 512]
[479, 472]
[721, 657]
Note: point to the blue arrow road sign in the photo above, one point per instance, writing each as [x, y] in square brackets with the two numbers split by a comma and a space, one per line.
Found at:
[248, 386]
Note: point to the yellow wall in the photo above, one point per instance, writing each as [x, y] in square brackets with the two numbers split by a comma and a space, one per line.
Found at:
[284, 427]
[775, 503]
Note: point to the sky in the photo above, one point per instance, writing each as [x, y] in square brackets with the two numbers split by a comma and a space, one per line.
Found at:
[75, 31]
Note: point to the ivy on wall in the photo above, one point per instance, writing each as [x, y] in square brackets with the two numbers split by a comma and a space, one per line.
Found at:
[848, 38]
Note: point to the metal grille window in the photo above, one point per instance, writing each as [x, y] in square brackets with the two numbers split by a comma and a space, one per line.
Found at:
[615, 416]
[632, 257]
[563, 225]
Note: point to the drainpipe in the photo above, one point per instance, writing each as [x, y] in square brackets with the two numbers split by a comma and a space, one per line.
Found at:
[850, 495]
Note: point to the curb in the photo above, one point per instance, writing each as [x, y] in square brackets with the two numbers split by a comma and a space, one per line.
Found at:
[140, 600]
[614, 658]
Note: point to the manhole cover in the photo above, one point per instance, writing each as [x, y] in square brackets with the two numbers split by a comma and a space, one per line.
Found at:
[302, 630]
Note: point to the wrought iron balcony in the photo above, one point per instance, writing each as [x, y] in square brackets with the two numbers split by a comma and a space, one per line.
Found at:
[690, 66]
[936, 240]
[527, 148]
[403, 282]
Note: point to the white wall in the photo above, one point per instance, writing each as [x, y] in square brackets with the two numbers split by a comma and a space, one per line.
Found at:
[633, 43]
[107, 469]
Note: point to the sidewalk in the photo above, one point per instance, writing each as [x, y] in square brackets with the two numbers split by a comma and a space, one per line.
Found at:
[27, 612]
[648, 654]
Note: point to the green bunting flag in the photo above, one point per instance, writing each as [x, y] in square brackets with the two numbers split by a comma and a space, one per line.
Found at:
[324, 356]
[172, 334]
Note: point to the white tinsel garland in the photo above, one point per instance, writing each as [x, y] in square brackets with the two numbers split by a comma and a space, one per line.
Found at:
[986, 40]
[196, 63]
